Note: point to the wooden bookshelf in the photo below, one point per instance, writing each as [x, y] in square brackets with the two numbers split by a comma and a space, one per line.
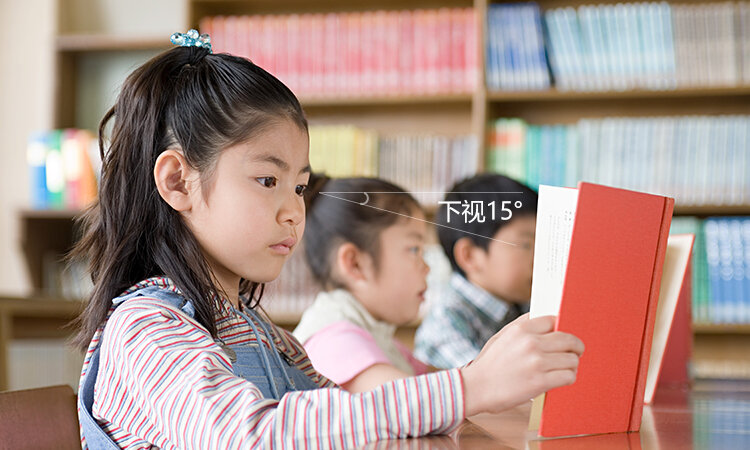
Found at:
[469, 113]
[74, 43]
[32, 318]
[712, 328]
[554, 95]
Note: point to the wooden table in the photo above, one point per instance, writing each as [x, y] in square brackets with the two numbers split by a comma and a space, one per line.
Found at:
[32, 318]
[710, 416]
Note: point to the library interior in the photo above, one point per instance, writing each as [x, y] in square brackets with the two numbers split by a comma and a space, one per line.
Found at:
[652, 97]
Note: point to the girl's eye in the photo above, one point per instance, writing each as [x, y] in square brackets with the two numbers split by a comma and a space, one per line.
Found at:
[415, 250]
[268, 182]
[300, 189]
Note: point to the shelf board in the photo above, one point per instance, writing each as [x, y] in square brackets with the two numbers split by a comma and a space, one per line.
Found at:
[712, 210]
[68, 214]
[721, 328]
[96, 43]
[377, 100]
[554, 95]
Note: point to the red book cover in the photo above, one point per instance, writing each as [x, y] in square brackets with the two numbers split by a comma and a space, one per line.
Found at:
[332, 54]
[457, 49]
[216, 27]
[367, 36]
[419, 83]
[230, 35]
[472, 49]
[266, 58]
[609, 297]
[406, 52]
[280, 42]
[354, 52]
[392, 52]
[444, 49]
[317, 51]
[252, 39]
[292, 52]
[305, 52]
[432, 51]
[378, 51]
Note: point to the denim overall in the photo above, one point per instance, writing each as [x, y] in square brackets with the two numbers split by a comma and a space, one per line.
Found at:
[266, 369]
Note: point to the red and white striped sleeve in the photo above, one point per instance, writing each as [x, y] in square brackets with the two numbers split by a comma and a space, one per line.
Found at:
[164, 382]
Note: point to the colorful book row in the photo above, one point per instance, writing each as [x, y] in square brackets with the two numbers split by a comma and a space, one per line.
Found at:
[358, 53]
[721, 268]
[618, 47]
[424, 164]
[698, 160]
[64, 166]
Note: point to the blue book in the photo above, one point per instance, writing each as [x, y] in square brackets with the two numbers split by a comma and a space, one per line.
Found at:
[711, 233]
[36, 155]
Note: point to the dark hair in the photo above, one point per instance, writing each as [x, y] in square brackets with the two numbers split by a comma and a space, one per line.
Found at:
[481, 187]
[201, 103]
[342, 217]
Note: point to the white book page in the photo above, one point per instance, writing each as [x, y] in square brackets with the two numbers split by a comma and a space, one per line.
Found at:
[675, 263]
[555, 214]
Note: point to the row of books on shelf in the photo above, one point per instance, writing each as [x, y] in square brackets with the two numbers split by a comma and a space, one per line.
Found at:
[721, 422]
[618, 47]
[698, 160]
[370, 52]
[64, 166]
[425, 164]
[721, 268]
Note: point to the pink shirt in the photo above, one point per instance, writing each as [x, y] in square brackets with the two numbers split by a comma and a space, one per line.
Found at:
[343, 350]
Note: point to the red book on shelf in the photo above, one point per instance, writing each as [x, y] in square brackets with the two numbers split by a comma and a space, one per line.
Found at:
[473, 47]
[406, 52]
[597, 266]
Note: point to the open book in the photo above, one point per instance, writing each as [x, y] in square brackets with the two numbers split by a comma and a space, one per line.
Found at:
[598, 262]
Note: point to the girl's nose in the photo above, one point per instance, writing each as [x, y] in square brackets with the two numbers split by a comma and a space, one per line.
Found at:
[293, 210]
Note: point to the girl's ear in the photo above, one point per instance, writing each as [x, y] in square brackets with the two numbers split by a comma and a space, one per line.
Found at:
[468, 256]
[171, 173]
[351, 264]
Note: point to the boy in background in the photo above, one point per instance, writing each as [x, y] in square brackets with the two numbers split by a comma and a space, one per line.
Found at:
[492, 262]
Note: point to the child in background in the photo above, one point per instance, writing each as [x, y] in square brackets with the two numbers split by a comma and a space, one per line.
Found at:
[491, 281]
[200, 203]
[368, 259]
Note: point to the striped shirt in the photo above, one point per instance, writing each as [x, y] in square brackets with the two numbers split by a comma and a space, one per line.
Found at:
[164, 382]
[459, 322]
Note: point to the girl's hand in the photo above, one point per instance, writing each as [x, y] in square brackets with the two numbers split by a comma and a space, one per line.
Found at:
[518, 363]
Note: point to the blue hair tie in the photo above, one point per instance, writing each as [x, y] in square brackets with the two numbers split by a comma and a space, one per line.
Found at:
[192, 39]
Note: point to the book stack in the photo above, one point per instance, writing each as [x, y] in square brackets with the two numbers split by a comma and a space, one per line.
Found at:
[516, 59]
[359, 53]
[64, 166]
[697, 160]
[424, 164]
[648, 45]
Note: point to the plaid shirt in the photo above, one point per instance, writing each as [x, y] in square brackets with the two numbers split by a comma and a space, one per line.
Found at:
[461, 320]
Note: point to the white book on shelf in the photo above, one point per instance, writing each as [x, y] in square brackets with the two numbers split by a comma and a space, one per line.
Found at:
[743, 12]
[741, 160]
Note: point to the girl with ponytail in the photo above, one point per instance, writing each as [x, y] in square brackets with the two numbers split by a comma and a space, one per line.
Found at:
[200, 203]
